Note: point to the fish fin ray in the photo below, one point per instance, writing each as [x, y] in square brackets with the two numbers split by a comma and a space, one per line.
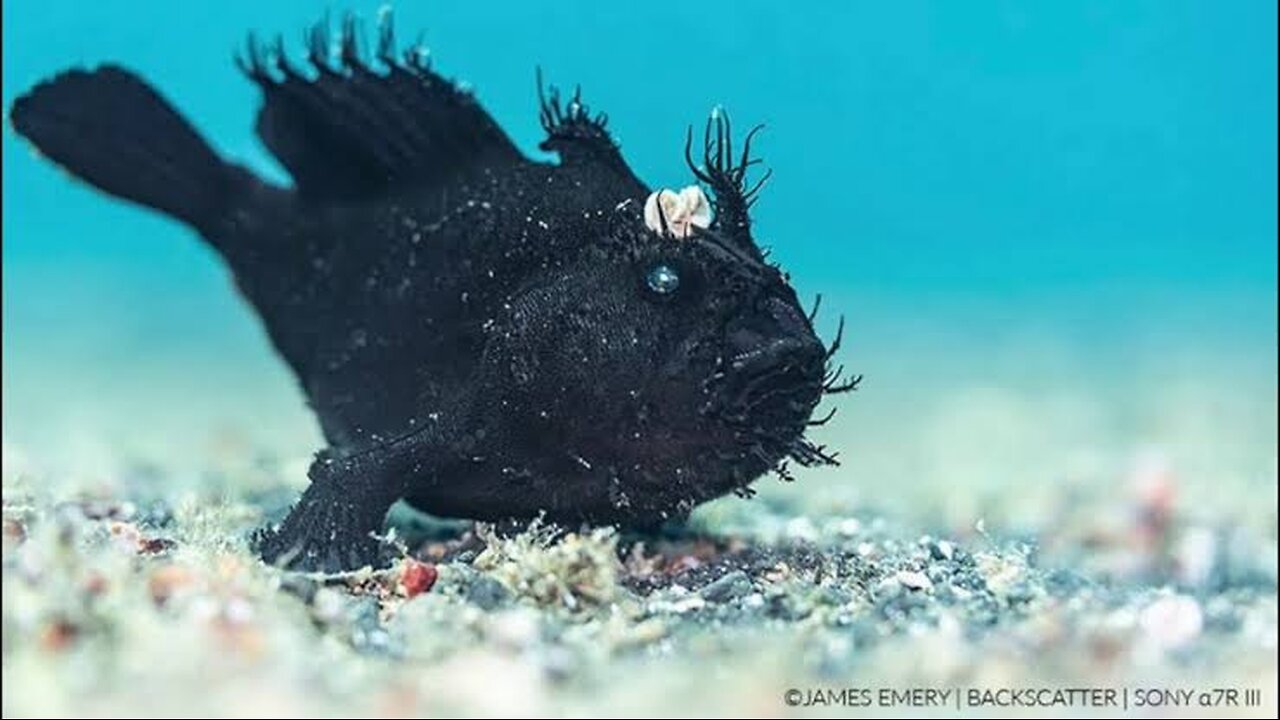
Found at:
[346, 125]
[581, 139]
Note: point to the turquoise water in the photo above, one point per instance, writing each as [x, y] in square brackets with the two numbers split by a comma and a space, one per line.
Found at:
[1052, 226]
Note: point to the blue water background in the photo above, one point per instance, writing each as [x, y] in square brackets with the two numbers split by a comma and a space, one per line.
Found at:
[1051, 226]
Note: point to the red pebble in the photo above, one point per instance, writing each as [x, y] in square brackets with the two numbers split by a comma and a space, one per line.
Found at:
[417, 577]
[153, 546]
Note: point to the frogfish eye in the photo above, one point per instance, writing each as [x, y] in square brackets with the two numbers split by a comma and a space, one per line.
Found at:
[662, 279]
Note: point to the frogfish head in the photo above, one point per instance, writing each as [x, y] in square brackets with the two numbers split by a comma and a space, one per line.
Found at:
[728, 369]
[665, 359]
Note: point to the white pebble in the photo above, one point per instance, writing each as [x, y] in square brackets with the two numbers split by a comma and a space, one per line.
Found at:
[946, 549]
[1172, 621]
[849, 527]
[327, 605]
[514, 629]
[914, 579]
[1196, 554]
[803, 529]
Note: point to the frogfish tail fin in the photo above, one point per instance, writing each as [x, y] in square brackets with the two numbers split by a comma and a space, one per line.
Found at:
[111, 129]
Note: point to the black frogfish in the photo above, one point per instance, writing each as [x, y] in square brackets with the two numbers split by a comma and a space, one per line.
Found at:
[481, 334]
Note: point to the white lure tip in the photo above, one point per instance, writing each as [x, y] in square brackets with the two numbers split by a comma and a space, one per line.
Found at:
[682, 211]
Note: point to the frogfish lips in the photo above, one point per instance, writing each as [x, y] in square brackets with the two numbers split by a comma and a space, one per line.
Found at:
[771, 374]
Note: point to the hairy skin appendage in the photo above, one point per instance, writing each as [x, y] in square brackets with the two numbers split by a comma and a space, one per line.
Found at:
[481, 334]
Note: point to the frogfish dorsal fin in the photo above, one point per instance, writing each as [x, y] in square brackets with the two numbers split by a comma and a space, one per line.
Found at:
[580, 138]
[348, 126]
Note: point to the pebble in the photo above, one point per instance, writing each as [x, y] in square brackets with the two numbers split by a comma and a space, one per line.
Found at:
[1171, 621]
[889, 587]
[487, 592]
[914, 580]
[1196, 556]
[802, 529]
[514, 629]
[367, 633]
[238, 611]
[1000, 573]
[942, 550]
[687, 604]
[648, 631]
[327, 605]
[849, 527]
[832, 594]
[789, 608]
[559, 663]
[1221, 615]
[417, 577]
[727, 587]
[167, 581]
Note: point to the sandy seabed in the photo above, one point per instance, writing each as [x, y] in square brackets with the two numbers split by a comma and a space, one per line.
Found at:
[122, 598]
